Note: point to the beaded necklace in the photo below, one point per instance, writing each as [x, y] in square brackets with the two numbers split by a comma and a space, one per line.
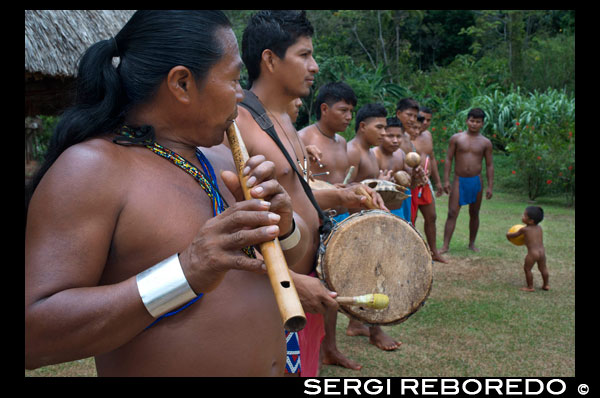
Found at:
[145, 136]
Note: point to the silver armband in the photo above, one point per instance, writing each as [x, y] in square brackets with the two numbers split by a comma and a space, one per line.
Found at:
[163, 287]
[291, 240]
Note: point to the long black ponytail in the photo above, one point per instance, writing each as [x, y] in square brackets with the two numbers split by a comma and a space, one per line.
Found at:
[149, 45]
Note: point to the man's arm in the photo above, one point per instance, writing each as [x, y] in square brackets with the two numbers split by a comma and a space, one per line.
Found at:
[70, 224]
[70, 229]
[489, 169]
[353, 160]
[448, 164]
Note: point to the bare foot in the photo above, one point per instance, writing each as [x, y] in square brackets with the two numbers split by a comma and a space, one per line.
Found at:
[438, 257]
[546, 287]
[528, 289]
[334, 357]
[472, 247]
[443, 250]
[381, 340]
[356, 328]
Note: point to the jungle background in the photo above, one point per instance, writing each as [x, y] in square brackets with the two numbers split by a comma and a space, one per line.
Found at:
[519, 67]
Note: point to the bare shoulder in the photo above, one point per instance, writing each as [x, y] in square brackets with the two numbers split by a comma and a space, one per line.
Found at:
[487, 142]
[457, 136]
[252, 133]
[341, 140]
[94, 171]
[353, 150]
[95, 159]
[425, 136]
[307, 132]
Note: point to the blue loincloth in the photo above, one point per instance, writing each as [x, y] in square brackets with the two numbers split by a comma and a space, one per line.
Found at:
[468, 188]
[404, 210]
[341, 217]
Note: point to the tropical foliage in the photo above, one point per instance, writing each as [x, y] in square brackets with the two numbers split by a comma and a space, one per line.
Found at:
[517, 65]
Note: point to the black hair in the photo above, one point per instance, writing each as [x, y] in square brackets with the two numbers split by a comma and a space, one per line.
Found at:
[275, 30]
[332, 93]
[149, 45]
[407, 103]
[425, 109]
[420, 118]
[393, 122]
[536, 213]
[367, 111]
[476, 113]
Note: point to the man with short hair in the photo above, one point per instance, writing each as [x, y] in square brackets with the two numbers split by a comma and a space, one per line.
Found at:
[370, 127]
[278, 53]
[334, 105]
[469, 148]
[423, 199]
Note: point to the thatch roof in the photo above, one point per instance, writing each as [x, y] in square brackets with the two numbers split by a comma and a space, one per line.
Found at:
[56, 39]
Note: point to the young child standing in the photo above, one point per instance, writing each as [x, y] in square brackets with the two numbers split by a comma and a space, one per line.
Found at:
[532, 231]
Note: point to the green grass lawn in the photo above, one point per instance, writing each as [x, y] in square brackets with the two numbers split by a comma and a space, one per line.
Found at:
[476, 321]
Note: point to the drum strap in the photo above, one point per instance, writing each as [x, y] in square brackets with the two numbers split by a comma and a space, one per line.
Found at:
[253, 105]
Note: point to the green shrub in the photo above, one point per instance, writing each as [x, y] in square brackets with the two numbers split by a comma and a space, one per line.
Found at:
[544, 159]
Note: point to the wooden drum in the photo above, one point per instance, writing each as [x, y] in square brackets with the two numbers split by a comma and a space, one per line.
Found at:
[377, 252]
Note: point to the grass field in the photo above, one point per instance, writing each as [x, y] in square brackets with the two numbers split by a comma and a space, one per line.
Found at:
[476, 321]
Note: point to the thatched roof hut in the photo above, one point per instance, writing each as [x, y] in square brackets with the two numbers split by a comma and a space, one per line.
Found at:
[54, 42]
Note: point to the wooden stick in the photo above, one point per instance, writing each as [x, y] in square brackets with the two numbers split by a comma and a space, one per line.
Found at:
[376, 301]
[286, 296]
[348, 175]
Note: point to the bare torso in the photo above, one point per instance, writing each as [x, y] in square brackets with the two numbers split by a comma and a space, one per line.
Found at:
[534, 240]
[469, 153]
[387, 161]
[334, 154]
[364, 160]
[233, 330]
[424, 146]
[258, 142]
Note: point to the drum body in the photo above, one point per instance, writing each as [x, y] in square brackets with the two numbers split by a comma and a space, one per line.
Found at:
[377, 252]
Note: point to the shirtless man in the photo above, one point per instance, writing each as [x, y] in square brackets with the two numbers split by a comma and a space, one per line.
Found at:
[423, 198]
[470, 149]
[277, 75]
[391, 157]
[294, 109]
[106, 221]
[388, 153]
[424, 141]
[370, 127]
[334, 105]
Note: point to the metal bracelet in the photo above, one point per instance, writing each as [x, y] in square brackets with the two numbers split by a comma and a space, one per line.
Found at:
[163, 287]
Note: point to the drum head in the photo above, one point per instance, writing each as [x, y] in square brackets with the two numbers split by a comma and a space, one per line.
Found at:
[378, 252]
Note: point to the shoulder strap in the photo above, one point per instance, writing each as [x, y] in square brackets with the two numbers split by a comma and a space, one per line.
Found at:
[253, 105]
